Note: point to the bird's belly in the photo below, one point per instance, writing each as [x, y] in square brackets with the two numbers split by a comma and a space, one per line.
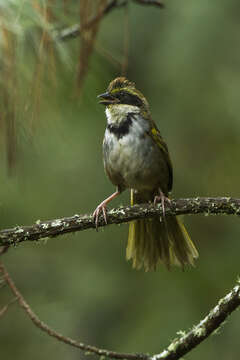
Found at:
[132, 161]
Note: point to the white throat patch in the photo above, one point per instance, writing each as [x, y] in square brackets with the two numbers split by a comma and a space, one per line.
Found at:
[116, 113]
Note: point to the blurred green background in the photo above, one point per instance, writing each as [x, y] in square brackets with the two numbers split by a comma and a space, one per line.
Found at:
[186, 60]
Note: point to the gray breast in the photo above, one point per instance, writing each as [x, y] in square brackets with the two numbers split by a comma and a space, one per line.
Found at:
[131, 158]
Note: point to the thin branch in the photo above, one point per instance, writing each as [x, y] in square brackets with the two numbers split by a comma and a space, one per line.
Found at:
[56, 227]
[44, 327]
[175, 350]
[75, 30]
[2, 283]
[151, 2]
[215, 318]
[4, 309]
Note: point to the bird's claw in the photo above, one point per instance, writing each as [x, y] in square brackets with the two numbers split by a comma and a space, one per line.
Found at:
[161, 198]
[103, 208]
[100, 208]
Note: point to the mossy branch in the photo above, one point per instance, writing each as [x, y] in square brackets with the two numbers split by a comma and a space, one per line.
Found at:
[56, 227]
[212, 322]
[178, 348]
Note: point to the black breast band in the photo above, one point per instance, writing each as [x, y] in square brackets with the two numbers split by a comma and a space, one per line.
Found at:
[121, 129]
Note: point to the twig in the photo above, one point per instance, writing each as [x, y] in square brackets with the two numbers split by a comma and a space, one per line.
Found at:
[215, 318]
[175, 350]
[56, 227]
[44, 327]
[5, 307]
[2, 283]
[151, 2]
[75, 30]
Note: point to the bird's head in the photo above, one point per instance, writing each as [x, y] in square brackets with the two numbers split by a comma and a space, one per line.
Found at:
[123, 92]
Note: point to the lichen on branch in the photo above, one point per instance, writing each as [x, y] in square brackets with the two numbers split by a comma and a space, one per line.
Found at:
[178, 348]
[56, 227]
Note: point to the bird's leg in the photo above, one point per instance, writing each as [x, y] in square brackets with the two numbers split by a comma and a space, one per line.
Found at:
[161, 198]
[102, 208]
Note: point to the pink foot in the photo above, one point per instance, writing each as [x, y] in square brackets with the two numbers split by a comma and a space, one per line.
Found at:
[103, 208]
[161, 198]
[100, 208]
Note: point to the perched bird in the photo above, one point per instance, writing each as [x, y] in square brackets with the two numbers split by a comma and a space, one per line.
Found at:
[136, 157]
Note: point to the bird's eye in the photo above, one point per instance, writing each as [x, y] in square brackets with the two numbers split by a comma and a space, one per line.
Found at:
[130, 99]
[125, 97]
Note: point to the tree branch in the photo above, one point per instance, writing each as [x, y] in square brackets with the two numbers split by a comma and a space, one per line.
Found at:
[215, 318]
[56, 227]
[4, 309]
[75, 30]
[44, 327]
[175, 350]
[157, 3]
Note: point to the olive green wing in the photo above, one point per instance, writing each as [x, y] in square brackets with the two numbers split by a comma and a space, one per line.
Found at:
[154, 133]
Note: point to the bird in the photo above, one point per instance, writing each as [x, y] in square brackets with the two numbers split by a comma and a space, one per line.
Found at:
[136, 157]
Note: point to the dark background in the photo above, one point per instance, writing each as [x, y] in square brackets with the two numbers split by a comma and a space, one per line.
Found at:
[186, 60]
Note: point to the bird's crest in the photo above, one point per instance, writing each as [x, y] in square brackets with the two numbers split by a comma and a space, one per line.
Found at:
[119, 83]
[122, 86]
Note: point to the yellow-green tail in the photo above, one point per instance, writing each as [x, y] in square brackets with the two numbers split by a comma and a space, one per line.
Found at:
[151, 241]
[155, 240]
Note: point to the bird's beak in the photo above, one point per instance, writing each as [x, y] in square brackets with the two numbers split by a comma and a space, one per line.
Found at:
[107, 99]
